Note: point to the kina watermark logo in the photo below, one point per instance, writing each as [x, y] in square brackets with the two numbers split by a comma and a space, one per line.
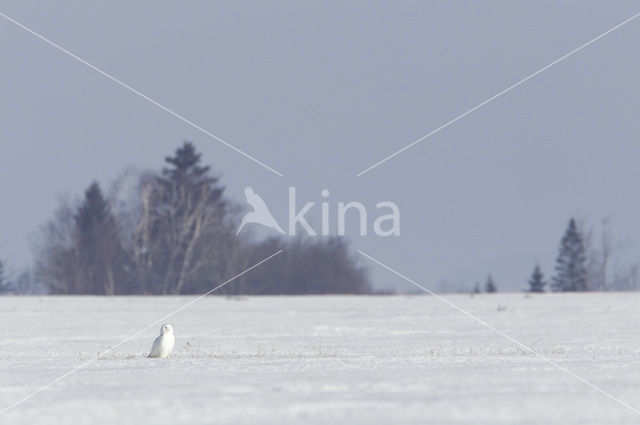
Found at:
[260, 213]
[386, 223]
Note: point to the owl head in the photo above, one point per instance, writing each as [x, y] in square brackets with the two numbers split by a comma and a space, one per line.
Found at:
[166, 328]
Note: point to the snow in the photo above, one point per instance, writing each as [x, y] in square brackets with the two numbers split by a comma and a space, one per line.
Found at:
[322, 360]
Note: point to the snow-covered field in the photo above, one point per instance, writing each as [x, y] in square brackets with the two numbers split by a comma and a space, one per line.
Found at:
[337, 360]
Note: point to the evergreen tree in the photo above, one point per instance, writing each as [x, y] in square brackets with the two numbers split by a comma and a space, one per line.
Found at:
[490, 287]
[185, 171]
[5, 286]
[100, 257]
[571, 273]
[476, 289]
[536, 281]
[189, 233]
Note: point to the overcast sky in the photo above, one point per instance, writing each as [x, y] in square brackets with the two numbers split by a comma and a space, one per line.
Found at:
[321, 92]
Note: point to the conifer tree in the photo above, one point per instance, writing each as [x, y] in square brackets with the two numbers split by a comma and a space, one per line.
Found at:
[99, 253]
[490, 287]
[571, 273]
[536, 281]
[5, 286]
[189, 230]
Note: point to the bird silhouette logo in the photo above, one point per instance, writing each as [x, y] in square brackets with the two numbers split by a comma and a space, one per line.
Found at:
[260, 213]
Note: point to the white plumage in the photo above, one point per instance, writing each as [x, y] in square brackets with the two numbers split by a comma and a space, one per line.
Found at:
[163, 345]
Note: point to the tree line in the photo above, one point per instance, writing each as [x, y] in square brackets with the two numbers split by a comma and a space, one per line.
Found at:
[581, 265]
[173, 232]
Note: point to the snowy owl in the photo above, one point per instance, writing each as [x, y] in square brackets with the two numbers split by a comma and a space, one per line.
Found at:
[163, 344]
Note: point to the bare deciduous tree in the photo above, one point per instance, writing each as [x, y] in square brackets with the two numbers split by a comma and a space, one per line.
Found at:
[602, 249]
[56, 257]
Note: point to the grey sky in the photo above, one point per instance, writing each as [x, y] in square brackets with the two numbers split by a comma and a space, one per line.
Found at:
[320, 92]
